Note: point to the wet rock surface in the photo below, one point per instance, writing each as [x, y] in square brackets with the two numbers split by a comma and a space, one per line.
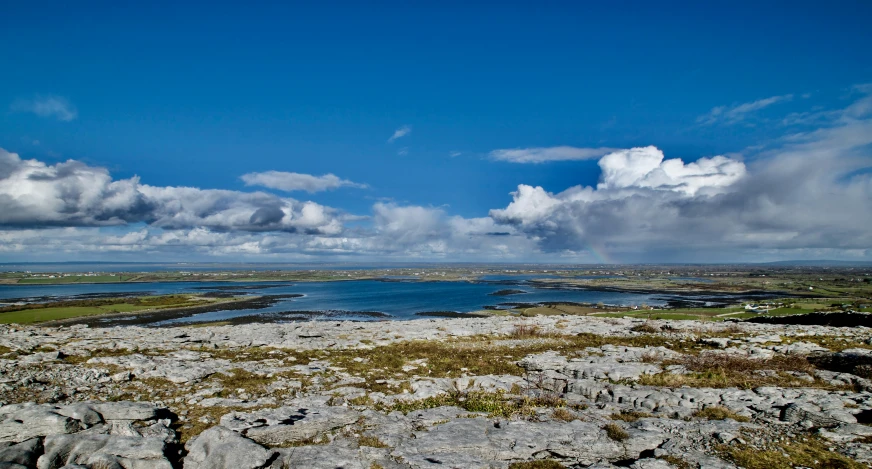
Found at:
[471, 393]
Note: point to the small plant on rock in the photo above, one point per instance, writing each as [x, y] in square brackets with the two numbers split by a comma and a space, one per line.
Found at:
[719, 413]
[616, 432]
[563, 414]
[630, 415]
[541, 464]
[526, 331]
[371, 441]
[646, 329]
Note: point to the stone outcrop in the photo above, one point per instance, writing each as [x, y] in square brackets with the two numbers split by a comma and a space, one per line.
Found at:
[278, 395]
[125, 435]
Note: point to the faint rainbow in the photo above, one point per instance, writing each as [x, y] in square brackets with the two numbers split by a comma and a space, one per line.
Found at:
[600, 256]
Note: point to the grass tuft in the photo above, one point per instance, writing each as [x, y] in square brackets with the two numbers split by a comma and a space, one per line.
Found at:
[541, 464]
[563, 414]
[719, 413]
[645, 328]
[678, 462]
[719, 370]
[808, 452]
[616, 432]
[526, 331]
[630, 415]
[371, 441]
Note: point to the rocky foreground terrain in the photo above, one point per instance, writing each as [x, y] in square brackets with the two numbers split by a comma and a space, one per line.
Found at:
[544, 392]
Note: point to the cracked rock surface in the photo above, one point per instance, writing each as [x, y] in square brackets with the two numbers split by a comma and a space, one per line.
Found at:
[494, 392]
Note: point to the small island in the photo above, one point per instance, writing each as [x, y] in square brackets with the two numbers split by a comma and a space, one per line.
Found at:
[507, 292]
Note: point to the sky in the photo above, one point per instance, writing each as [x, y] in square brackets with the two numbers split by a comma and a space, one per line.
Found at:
[577, 132]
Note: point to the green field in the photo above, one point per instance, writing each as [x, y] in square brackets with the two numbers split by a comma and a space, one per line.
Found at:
[652, 315]
[60, 310]
[717, 314]
[29, 316]
[76, 279]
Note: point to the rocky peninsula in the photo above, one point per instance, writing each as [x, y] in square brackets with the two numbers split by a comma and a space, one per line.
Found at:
[492, 392]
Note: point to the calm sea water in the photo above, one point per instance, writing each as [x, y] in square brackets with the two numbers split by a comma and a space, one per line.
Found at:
[401, 300]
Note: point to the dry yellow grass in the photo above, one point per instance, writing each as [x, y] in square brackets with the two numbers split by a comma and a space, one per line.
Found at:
[563, 414]
[719, 413]
[616, 432]
[630, 415]
[807, 452]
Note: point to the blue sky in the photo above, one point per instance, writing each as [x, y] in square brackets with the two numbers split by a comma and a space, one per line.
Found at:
[199, 95]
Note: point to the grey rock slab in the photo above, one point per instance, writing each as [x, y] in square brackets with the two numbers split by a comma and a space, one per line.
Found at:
[720, 342]
[35, 421]
[126, 428]
[320, 457]
[846, 432]
[125, 410]
[614, 363]
[795, 413]
[112, 451]
[84, 413]
[220, 448]
[25, 453]
[176, 370]
[651, 463]
[479, 442]
[302, 424]
[40, 357]
[799, 348]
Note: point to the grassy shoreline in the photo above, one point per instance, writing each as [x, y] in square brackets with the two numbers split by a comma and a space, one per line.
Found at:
[57, 313]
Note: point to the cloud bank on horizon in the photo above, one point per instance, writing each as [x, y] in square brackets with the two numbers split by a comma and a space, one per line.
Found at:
[807, 192]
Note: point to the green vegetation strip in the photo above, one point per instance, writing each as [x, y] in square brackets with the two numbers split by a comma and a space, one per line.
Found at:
[59, 310]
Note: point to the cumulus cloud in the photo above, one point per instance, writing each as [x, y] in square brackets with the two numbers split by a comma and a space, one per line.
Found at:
[74, 209]
[400, 133]
[545, 154]
[47, 106]
[645, 168]
[809, 197]
[34, 194]
[739, 112]
[429, 232]
[812, 193]
[290, 182]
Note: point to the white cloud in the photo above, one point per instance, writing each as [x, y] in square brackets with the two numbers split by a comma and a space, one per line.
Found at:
[454, 154]
[645, 168]
[739, 112]
[545, 154]
[860, 108]
[813, 193]
[400, 133]
[47, 106]
[290, 182]
[34, 194]
[810, 197]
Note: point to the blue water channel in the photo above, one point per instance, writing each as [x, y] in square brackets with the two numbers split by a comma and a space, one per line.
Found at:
[399, 299]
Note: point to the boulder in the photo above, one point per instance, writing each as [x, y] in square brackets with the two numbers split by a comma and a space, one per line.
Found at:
[110, 451]
[288, 425]
[35, 421]
[24, 454]
[221, 448]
